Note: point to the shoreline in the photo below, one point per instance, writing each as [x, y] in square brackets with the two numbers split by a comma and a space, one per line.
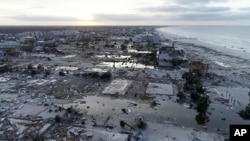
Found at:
[200, 44]
[234, 71]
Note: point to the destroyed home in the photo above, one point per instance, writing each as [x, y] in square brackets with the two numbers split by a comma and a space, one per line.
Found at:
[160, 89]
[117, 87]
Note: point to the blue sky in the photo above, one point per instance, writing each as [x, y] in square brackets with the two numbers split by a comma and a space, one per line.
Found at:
[125, 12]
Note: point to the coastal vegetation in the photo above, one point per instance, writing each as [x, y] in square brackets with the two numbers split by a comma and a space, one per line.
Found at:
[38, 138]
[245, 114]
[194, 86]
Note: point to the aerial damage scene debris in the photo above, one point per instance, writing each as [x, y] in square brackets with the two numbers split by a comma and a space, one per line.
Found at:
[115, 84]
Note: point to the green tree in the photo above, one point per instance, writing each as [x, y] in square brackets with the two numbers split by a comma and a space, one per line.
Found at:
[200, 89]
[203, 104]
[195, 96]
[245, 114]
[181, 96]
[201, 119]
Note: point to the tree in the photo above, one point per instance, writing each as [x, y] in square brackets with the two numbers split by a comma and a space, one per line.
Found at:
[61, 73]
[38, 138]
[60, 109]
[181, 96]
[30, 67]
[47, 73]
[203, 104]
[106, 75]
[122, 123]
[200, 89]
[70, 110]
[124, 47]
[57, 118]
[195, 96]
[245, 114]
[201, 119]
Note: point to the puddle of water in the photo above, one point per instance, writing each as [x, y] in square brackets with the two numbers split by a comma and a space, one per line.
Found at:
[68, 56]
[124, 65]
[4, 79]
[136, 51]
[67, 68]
[113, 56]
[222, 64]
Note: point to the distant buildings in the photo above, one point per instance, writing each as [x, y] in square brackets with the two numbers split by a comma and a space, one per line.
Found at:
[146, 39]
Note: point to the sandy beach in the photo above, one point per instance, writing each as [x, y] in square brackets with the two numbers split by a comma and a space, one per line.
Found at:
[231, 67]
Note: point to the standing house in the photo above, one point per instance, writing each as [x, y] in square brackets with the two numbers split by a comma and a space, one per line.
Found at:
[165, 56]
[150, 38]
[198, 67]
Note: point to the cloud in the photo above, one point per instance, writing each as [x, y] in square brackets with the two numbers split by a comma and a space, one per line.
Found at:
[213, 16]
[191, 16]
[245, 9]
[179, 8]
[211, 9]
[120, 17]
[191, 1]
[42, 18]
[184, 2]
[168, 8]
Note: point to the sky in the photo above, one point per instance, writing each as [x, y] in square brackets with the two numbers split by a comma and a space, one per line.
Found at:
[124, 12]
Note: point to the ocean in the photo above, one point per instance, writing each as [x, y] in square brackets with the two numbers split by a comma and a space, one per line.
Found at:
[230, 37]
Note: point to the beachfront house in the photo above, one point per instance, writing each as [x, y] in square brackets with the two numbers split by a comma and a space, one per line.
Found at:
[164, 59]
[168, 55]
[198, 67]
[151, 39]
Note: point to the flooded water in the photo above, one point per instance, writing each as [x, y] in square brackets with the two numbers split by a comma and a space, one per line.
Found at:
[168, 112]
[66, 68]
[124, 65]
[137, 51]
[113, 56]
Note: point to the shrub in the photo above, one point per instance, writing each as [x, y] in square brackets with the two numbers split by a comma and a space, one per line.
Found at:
[141, 124]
